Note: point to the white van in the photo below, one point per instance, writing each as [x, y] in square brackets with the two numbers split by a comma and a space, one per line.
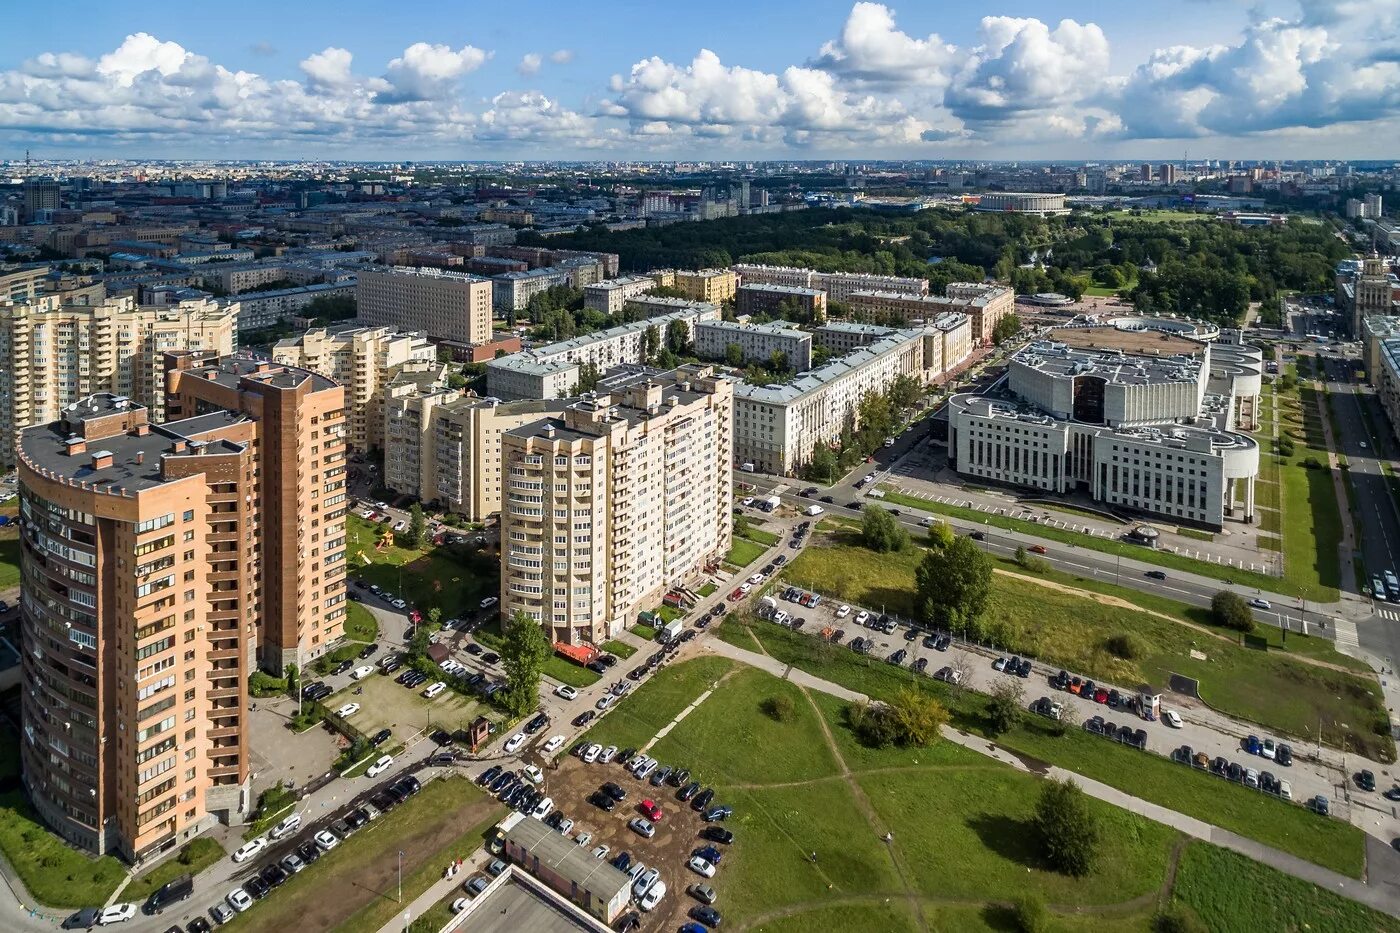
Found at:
[876, 494]
[360, 673]
[780, 617]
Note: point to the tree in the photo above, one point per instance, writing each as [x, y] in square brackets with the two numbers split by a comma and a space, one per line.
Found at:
[1231, 611]
[1006, 328]
[1032, 916]
[953, 586]
[651, 343]
[904, 392]
[880, 532]
[523, 655]
[678, 338]
[588, 377]
[741, 525]
[293, 677]
[1178, 918]
[918, 719]
[778, 361]
[417, 527]
[1005, 707]
[734, 355]
[823, 468]
[940, 535]
[1067, 830]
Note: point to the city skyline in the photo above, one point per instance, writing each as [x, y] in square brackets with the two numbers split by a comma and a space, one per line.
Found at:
[1309, 79]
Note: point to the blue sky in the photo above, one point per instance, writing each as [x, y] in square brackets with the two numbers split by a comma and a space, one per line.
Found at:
[1288, 78]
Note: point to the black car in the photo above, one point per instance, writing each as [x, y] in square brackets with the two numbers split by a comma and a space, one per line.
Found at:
[257, 888]
[702, 800]
[584, 718]
[368, 650]
[1061, 681]
[898, 657]
[679, 778]
[1283, 755]
[489, 775]
[409, 785]
[614, 791]
[391, 665]
[380, 737]
[607, 660]
[441, 737]
[597, 667]
[357, 818]
[911, 633]
[1155, 575]
[828, 500]
[688, 791]
[198, 925]
[405, 677]
[308, 852]
[602, 801]
[856, 506]
[382, 801]
[490, 658]
[717, 834]
[554, 819]
[1024, 670]
[474, 648]
[274, 875]
[343, 666]
[977, 536]
[536, 724]
[1235, 772]
[1365, 780]
[308, 690]
[706, 915]
[920, 665]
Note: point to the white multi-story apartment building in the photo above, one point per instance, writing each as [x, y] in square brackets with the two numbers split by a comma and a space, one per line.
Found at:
[553, 371]
[363, 360]
[984, 305]
[265, 309]
[452, 306]
[1142, 420]
[512, 291]
[610, 295]
[442, 446]
[777, 427]
[625, 496]
[55, 353]
[757, 342]
[839, 286]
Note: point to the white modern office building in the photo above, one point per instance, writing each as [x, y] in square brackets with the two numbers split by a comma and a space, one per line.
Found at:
[1142, 420]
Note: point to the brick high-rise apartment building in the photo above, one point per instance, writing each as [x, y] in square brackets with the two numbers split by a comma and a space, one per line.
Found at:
[626, 495]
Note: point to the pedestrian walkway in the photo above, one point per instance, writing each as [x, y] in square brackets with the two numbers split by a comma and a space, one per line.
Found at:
[437, 891]
[1372, 896]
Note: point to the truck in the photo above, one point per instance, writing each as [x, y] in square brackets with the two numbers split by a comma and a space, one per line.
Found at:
[670, 632]
[769, 504]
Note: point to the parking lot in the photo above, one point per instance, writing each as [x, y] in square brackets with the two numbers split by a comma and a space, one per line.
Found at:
[385, 704]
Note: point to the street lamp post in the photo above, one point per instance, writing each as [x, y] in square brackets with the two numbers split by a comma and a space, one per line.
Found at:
[400, 894]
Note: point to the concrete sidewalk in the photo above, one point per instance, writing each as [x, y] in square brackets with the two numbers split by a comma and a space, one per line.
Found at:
[1378, 898]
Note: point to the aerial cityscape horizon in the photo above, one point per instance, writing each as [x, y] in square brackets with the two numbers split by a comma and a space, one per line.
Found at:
[857, 466]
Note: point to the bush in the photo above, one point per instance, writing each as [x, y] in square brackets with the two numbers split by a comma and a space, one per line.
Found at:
[261, 684]
[1005, 707]
[1231, 611]
[779, 708]
[1032, 916]
[1067, 829]
[1126, 645]
[1178, 918]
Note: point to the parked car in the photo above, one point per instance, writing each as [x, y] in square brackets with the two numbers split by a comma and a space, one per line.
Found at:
[249, 849]
[641, 827]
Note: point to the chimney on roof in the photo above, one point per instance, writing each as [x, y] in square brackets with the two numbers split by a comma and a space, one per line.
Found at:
[76, 445]
[101, 459]
[140, 457]
[177, 447]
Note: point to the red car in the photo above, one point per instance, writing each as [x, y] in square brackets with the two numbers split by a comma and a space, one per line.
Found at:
[415, 617]
[1038, 548]
[652, 811]
[1100, 695]
[737, 595]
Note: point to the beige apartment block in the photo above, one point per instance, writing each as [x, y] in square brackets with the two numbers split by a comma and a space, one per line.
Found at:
[298, 426]
[984, 305]
[443, 446]
[364, 360]
[626, 495]
[444, 305]
[714, 286]
[57, 353]
[139, 557]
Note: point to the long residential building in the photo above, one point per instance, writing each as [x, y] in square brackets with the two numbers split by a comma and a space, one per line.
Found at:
[610, 295]
[444, 447]
[267, 309]
[57, 353]
[623, 497]
[714, 286]
[757, 342]
[363, 360]
[807, 304]
[839, 286]
[1142, 420]
[444, 305]
[512, 291]
[984, 305]
[553, 371]
[777, 427]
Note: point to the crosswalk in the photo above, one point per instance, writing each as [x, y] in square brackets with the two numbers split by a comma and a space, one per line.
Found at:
[1345, 632]
[1389, 615]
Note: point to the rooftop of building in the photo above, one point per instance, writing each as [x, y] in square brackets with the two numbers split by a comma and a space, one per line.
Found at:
[1113, 366]
[429, 272]
[515, 906]
[782, 289]
[855, 327]
[617, 401]
[773, 328]
[816, 379]
[1142, 342]
[230, 371]
[540, 273]
[548, 358]
[295, 290]
[620, 282]
[136, 457]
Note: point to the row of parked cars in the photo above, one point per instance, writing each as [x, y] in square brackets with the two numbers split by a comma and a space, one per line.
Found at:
[1126, 735]
[275, 874]
[1239, 774]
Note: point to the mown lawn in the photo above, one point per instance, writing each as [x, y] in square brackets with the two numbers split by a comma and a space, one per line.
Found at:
[1071, 631]
[633, 723]
[743, 552]
[360, 624]
[619, 648]
[1332, 843]
[1211, 882]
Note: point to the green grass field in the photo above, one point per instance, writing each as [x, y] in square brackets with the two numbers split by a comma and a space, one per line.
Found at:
[452, 578]
[360, 624]
[1332, 843]
[961, 842]
[619, 648]
[9, 558]
[743, 552]
[1070, 631]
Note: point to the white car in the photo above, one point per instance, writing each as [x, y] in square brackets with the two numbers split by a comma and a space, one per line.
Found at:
[250, 849]
[542, 808]
[843, 612]
[601, 852]
[591, 753]
[286, 827]
[1172, 718]
[533, 774]
[434, 688]
[348, 710]
[565, 826]
[379, 767]
[756, 579]
[607, 755]
[583, 839]
[643, 882]
[488, 602]
[566, 692]
[400, 525]
[326, 840]
[459, 905]
[514, 742]
[653, 896]
[117, 913]
[644, 828]
[239, 900]
[555, 743]
[745, 587]
[701, 867]
[361, 672]
[1258, 603]
[399, 604]
[605, 702]
[862, 617]
[747, 500]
